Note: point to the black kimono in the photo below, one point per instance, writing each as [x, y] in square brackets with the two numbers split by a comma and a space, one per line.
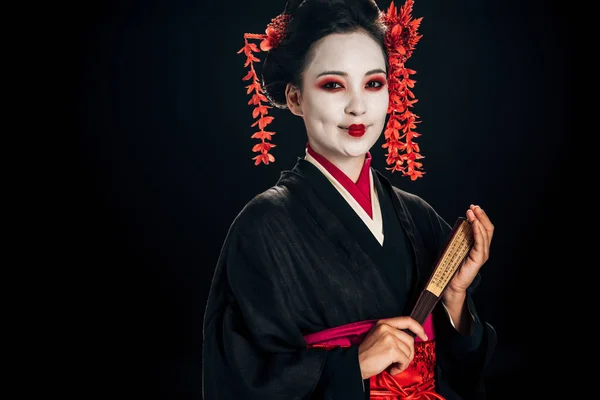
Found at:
[298, 260]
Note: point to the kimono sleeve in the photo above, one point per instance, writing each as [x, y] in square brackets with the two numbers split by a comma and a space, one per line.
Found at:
[252, 346]
[461, 359]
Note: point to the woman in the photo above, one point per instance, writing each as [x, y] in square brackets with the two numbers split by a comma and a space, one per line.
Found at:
[315, 282]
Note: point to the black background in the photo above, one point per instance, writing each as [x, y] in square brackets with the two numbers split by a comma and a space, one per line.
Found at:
[166, 149]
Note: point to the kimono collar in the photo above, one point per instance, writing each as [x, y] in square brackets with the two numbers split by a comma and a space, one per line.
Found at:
[361, 190]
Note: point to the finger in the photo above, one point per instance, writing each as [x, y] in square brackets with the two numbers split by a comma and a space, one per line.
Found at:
[405, 353]
[471, 217]
[479, 250]
[482, 239]
[478, 253]
[483, 217]
[397, 368]
[478, 226]
[400, 342]
[405, 347]
[409, 323]
[481, 235]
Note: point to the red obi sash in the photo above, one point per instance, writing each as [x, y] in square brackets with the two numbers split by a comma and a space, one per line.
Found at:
[414, 383]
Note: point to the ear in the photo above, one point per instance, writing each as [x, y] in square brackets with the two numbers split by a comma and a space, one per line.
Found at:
[293, 99]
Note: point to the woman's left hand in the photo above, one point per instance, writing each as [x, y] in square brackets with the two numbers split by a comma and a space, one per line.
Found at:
[483, 230]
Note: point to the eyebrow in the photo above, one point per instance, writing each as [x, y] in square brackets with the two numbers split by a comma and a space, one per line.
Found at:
[371, 72]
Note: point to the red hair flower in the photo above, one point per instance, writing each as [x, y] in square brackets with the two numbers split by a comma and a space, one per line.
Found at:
[400, 40]
[272, 37]
[275, 32]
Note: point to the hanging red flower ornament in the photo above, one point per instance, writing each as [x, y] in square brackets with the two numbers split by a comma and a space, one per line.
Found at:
[272, 37]
[401, 37]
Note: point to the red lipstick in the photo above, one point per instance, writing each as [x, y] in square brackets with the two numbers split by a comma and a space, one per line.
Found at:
[356, 130]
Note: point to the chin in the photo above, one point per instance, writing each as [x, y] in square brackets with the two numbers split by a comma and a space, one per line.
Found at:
[359, 149]
[364, 143]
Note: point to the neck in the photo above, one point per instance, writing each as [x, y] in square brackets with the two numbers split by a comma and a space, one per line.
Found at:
[350, 166]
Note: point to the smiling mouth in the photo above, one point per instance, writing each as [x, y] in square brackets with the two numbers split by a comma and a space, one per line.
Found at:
[356, 130]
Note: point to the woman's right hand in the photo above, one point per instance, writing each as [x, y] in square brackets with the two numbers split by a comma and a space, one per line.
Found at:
[387, 345]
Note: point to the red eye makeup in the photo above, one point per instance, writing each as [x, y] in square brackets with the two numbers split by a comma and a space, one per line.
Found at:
[330, 84]
[376, 83]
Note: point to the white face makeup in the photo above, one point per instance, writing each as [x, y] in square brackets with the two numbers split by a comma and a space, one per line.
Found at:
[344, 85]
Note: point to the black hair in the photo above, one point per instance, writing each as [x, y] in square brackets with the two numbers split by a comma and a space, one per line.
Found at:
[311, 21]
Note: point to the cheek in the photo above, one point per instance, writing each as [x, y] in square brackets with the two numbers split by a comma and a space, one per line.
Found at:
[323, 106]
[382, 101]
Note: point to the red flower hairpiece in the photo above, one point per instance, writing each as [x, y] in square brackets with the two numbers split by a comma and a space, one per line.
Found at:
[272, 37]
[400, 40]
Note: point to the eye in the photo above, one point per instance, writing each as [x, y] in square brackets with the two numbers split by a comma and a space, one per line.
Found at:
[375, 84]
[331, 85]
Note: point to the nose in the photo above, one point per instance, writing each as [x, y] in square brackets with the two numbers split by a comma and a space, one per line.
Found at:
[356, 105]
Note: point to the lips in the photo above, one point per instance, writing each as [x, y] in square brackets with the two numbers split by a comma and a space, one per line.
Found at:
[356, 130]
